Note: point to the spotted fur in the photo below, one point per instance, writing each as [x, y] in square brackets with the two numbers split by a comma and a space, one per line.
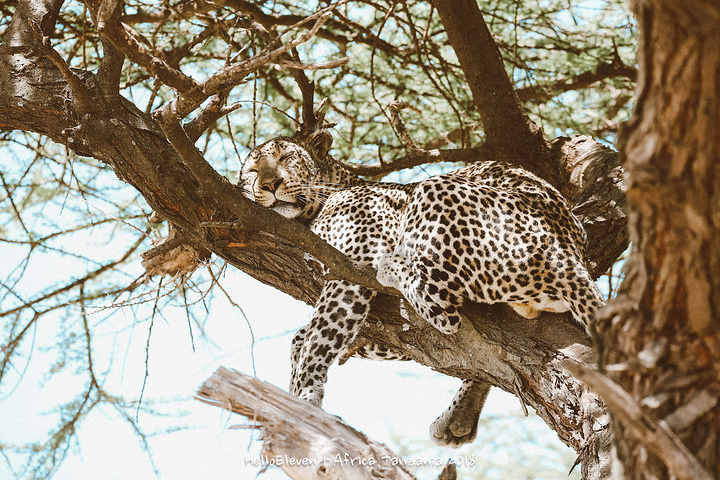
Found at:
[490, 232]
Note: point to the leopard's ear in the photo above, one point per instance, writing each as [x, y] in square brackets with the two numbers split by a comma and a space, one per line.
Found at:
[320, 142]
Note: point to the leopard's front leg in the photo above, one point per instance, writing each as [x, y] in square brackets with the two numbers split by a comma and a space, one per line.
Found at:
[339, 313]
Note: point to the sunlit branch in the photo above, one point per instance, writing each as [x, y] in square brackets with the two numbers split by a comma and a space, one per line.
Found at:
[313, 66]
[128, 41]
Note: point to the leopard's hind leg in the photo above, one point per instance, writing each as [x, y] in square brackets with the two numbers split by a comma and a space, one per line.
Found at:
[431, 292]
[583, 296]
[459, 423]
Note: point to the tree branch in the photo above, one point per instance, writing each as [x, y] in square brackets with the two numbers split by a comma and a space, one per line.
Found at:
[182, 105]
[82, 97]
[125, 39]
[208, 116]
[414, 158]
[80, 281]
[523, 357]
[505, 124]
[399, 125]
[301, 439]
[269, 22]
[612, 69]
[20, 33]
[656, 435]
[314, 66]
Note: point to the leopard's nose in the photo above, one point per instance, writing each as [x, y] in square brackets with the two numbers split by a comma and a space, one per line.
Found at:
[272, 185]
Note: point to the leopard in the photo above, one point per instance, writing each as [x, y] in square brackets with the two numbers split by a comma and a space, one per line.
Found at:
[489, 232]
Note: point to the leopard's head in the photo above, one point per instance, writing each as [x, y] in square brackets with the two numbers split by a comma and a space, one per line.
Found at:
[291, 176]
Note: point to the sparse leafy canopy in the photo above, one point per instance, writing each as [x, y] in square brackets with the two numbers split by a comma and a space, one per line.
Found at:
[570, 62]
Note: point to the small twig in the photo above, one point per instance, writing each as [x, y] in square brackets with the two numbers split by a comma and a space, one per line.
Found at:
[90, 275]
[147, 354]
[421, 157]
[598, 73]
[398, 124]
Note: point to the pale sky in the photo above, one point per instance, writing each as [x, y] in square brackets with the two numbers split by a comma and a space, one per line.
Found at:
[382, 399]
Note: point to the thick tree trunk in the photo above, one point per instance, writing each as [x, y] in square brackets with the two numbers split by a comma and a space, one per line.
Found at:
[662, 334]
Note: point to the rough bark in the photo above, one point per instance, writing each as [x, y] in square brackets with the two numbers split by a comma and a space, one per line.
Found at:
[524, 357]
[661, 335]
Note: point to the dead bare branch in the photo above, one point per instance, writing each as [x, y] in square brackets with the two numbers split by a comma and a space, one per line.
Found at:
[301, 439]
